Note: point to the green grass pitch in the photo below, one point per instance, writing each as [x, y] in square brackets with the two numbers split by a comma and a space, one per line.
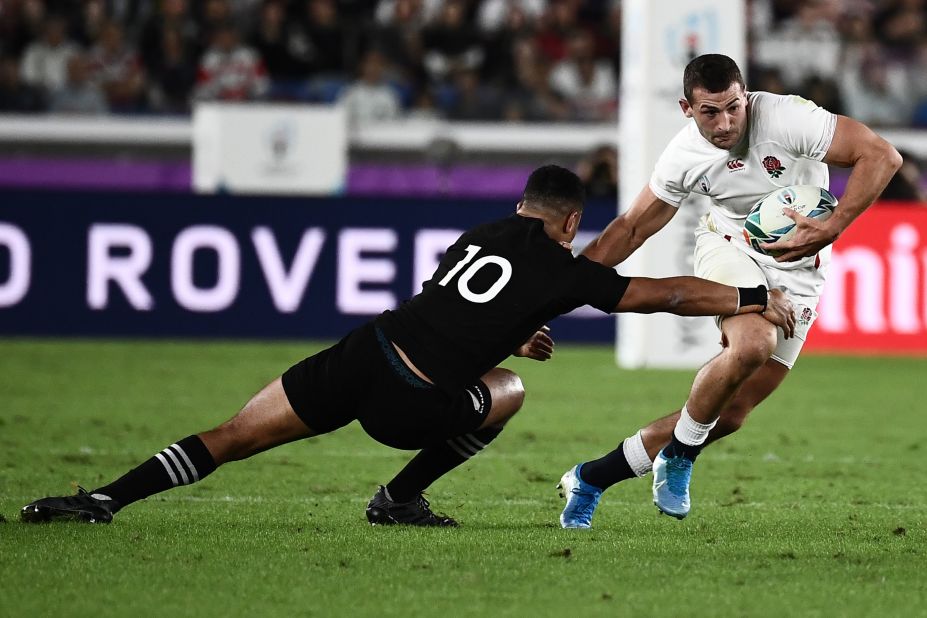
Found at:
[817, 507]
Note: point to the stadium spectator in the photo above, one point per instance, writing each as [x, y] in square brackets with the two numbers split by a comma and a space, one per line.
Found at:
[900, 25]
[173, 75]
[425, 10]
[400, 41]
[89, 22]
[532, 99]
[79, 94]
[874, 90]
[15, 95]
[555, 26]
[451, 44]
[213, 16]
[768, 79]
[45, 62]
[371, 98]
[472, 100]
[598, 171]
[117, 68]
[586, 82]
[229, 71]
[494, 15]
[424, 107]
[823, 49]
[20, 24]
[917, 82]
[499, 66]
[327, 37]
[803, 46]
[824, 92]
[174, 16]
[286, 50]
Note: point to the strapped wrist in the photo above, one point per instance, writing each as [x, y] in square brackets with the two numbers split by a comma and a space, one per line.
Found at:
[751, 297]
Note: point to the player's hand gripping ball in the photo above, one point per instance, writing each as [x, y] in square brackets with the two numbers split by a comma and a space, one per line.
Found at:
[767, 222]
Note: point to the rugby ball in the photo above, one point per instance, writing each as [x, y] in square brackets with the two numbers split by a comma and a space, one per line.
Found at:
[767, 222]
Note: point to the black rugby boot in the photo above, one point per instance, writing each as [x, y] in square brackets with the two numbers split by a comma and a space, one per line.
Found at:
[82, 507]
[382, 510]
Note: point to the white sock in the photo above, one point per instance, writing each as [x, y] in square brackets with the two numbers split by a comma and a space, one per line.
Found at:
[691, 432]
[636, 455]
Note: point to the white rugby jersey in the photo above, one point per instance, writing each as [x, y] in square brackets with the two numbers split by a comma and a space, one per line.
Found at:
[788, 138]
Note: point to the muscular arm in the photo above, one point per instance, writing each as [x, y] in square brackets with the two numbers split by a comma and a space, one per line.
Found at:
[646, 216]
[695, 296]
[874, 162]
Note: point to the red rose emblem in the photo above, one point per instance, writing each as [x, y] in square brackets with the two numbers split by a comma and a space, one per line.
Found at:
[773, 166]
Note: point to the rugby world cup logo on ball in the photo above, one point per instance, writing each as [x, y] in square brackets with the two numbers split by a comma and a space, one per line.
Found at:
[767, 223]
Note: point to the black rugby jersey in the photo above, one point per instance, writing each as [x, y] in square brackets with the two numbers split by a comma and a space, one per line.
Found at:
[494, 288]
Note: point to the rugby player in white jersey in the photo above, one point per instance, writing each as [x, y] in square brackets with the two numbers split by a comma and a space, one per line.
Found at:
[737, 147]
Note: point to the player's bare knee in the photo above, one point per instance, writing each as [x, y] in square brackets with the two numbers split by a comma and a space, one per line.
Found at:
[752, 352]
[508, 394]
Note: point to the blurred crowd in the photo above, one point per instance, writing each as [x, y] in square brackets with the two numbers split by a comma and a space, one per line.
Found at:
[516, 60]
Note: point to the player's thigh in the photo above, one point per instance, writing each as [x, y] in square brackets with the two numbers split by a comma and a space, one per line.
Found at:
[717, 259]
[410, 417]
[327, 388]
[800, 285]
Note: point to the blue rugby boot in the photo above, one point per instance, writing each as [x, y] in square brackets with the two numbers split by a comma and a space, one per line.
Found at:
[671, 477]
[581, 499]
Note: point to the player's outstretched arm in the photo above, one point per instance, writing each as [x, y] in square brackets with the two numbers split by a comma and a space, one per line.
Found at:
[539, 346]
[874, 162]
[695, 296]
[646, 216]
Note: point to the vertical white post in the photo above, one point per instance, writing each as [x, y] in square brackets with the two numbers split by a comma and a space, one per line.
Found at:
[659, 38]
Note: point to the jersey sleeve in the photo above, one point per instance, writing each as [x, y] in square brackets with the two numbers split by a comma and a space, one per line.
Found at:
[597, 285]
[806, 128]
[667, 179]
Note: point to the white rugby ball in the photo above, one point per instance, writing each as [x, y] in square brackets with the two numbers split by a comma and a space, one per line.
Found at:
[767, 223]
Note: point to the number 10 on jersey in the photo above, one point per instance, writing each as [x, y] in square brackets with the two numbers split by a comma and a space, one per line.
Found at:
[463, 283]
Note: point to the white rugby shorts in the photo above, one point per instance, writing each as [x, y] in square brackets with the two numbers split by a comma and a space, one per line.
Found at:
[717, 259]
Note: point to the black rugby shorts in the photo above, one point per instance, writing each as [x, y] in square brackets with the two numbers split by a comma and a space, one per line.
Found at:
[362, 378]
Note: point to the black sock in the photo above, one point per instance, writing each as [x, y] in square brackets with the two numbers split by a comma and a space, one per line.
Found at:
[433, 462]
[677, 449]
[607, 470]
[183, 463]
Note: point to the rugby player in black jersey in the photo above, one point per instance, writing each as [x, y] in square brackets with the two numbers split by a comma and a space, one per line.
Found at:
[424, 376]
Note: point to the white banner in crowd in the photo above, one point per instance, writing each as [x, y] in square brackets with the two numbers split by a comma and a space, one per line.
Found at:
[269, 149]
[659, 38]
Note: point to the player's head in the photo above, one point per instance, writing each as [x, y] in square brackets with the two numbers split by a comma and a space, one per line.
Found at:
[555, 194]
[715, 97]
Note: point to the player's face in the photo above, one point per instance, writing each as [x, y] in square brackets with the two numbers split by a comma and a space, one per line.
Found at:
[721, 117]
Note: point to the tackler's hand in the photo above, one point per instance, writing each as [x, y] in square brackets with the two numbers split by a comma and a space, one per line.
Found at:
[811, 235]
[539, 346]
[780, 312]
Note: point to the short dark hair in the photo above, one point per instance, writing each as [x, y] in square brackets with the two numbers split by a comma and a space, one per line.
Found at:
[713, 72]
[554, 188]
